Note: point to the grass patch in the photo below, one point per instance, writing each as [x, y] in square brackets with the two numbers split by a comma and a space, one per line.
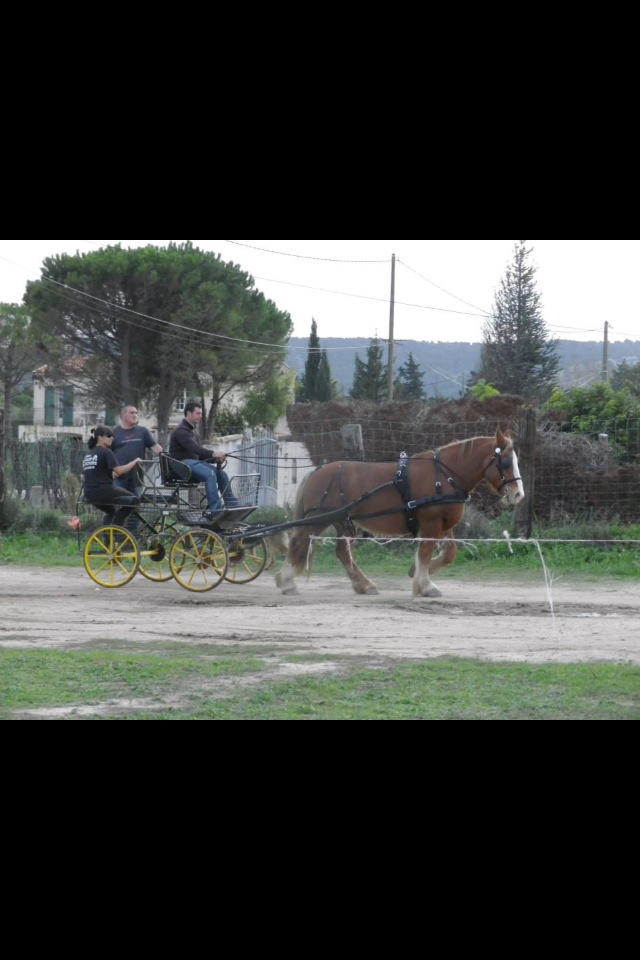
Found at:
[49, 679]
[194, 681]
[40, 550]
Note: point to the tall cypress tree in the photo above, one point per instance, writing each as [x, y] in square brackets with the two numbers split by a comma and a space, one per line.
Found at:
[370, 379]
[409, 384]
[317, 384]
[518, 355]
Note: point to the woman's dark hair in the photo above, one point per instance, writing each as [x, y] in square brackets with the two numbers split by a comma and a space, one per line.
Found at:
[100, 431]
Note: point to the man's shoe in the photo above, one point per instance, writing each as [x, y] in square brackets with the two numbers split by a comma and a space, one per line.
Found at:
[211, 514]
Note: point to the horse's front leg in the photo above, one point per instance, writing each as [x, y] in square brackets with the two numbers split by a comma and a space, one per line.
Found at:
[344, 553]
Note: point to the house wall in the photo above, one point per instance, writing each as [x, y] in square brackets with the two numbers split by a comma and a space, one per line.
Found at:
[285, 466]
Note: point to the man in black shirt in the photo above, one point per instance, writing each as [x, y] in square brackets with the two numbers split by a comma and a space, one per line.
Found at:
[185, 446]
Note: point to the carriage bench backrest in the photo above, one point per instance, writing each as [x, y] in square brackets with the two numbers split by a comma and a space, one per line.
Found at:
[174, 473]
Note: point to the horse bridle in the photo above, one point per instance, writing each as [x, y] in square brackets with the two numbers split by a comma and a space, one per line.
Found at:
[502, 463]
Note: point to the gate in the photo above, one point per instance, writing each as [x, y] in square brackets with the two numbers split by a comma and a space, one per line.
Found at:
[260, 455]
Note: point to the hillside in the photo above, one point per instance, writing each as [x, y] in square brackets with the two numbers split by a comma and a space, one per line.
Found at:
[447, 365]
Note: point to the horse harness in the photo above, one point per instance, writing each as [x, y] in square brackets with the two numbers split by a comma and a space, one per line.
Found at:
[402, 484]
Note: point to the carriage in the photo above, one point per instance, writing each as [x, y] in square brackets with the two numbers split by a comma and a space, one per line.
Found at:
[422, 497]
[167, 537]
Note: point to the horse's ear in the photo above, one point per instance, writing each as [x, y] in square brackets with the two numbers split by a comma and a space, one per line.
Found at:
[501, 440]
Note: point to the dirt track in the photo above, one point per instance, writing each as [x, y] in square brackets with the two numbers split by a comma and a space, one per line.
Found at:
[591, 621]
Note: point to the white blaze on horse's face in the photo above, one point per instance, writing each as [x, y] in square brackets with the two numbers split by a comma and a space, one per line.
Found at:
[515, 489]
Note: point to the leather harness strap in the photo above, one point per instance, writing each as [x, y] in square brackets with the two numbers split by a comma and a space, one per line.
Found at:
[403, 486]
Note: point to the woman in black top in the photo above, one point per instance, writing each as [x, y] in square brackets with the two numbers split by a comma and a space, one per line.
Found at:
[99, 468]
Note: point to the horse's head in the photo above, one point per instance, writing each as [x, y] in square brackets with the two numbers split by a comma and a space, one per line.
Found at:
[502, 471]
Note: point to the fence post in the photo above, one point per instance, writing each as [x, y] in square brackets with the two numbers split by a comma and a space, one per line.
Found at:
[523, 513]
[352, 442]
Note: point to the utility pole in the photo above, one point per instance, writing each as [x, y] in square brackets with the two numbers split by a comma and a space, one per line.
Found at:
[392, 319]
[605, 358]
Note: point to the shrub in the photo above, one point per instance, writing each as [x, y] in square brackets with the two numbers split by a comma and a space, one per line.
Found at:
[22, 518]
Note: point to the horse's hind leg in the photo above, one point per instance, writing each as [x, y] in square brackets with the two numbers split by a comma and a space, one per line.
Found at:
[447, 552]
[344, 553]
[298, 557]
[426, 564]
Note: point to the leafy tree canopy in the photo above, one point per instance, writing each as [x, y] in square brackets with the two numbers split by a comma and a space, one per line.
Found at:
[600, 409]
[151, 321]
[627, 377]
[483, 391]
[20, 354]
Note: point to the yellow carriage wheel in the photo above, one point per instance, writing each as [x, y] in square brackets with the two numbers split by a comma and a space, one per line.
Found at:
[111, 557]
[198, 560]
[247, 559]
[154, 556]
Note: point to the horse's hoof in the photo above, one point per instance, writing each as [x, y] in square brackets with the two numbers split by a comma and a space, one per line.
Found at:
[290, 592]
[372, 592]
[429, 594]
[432, 592]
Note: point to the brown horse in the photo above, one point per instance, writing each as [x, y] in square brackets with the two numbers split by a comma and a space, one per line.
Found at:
[424, 498]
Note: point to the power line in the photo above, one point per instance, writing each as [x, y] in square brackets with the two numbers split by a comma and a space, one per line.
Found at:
[361, 296]
[483, 313]
[299, 256]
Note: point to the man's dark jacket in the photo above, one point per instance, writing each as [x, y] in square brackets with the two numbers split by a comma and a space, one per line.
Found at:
[184, 444]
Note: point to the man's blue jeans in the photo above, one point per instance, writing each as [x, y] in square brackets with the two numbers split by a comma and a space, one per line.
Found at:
[212, 478]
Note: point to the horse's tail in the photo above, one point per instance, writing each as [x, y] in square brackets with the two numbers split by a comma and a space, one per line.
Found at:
[300, 552]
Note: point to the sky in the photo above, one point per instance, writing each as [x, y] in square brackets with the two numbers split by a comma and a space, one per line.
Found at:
[443, 288]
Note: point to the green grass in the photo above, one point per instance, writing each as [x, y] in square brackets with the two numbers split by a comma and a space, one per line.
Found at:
[40, 550]
[447, 689]
[618, 559]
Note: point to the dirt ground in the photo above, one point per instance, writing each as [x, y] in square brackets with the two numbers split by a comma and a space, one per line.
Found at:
[520, 620]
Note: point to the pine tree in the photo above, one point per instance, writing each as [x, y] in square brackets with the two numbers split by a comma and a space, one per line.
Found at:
[370, 379]
[518, 357]
[316, 384]
[409, 382]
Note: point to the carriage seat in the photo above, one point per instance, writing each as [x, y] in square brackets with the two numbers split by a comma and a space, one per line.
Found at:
[174, 473]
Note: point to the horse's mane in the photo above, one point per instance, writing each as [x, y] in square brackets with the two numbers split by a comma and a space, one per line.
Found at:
[471, 440]
[461, 447]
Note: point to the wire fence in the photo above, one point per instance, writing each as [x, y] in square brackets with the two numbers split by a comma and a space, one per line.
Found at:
[586, 473]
